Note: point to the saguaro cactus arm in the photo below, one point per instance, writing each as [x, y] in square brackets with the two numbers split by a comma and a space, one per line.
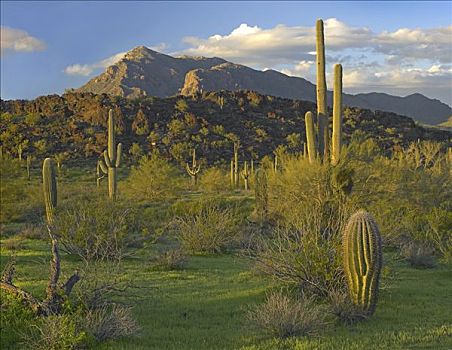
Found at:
[310, 137]
[337, 115]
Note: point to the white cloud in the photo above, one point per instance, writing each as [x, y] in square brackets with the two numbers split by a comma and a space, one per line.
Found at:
[16, 40]
[87, 69]
[406, 58]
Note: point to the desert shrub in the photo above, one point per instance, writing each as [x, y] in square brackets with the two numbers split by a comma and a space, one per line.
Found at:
[213, 180]
[343, 308]
[207, 228]
[310, 211]
[284, 317]
[170, 259]
[110, 322]
[418, 255]
[55, 332]
[15, 319]
[152, 180]
[99, 229]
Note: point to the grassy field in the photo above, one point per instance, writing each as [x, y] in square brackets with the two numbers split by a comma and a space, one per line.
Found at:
[204, 305]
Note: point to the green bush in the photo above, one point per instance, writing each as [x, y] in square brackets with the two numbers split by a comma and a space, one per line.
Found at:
[15, 319]
[154, 179]
[214, 180]
[55, 332]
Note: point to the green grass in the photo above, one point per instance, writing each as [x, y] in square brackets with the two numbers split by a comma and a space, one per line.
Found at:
[204, 305]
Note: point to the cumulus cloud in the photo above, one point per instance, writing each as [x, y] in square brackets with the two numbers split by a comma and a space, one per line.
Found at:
[406, 58]
[87, 69]
[16, 40]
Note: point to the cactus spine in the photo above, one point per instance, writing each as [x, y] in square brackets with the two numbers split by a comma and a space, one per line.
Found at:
[310, 137]
[112, 157]
[362, 260]
[337, 115]
[194, 169]
[49, 188]
[322, 117]
[245, 175]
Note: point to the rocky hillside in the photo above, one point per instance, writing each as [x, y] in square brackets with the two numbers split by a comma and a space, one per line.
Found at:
[144, 72]
[74, 125]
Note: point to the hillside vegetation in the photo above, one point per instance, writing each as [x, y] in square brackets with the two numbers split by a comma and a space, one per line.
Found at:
[75, 124]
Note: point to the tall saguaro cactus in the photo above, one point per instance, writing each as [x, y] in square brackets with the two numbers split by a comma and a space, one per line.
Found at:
[362, 260]
[310, 137]
[112, 157]
[194, 169]
[322, 116]
[337, 115]
[49, 188]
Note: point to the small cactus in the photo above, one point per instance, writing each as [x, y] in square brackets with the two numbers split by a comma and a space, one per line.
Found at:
[362, 260]
[245, 175]
[49, 188]
[112, 157]
[194, 169]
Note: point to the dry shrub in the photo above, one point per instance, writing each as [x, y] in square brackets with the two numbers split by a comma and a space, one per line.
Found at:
[110, 322]
[170, 259]
[33, 232]
[211, 228]
[344, 309]
[419, 255]
[284, 317]
[13, 243]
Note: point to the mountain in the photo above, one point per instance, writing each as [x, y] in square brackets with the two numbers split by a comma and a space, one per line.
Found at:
[144, 72]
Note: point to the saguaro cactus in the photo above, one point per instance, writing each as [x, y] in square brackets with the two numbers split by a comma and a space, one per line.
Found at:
[337, 115]
[49, 188]
[245, 175]
[28, 167]
[310, 137]
[194, 169]
[261, 196]
[112, 157]
[232, 173]
[362, 260]
[322, 116]
[236, 163]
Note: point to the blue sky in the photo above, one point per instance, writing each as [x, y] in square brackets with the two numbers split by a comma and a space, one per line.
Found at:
[394, 47]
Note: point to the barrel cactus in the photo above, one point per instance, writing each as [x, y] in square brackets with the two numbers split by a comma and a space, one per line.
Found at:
[112, 157]
[49, 188]
[362, 260]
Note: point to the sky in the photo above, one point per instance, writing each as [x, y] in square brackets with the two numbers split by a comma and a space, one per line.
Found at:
[398, 48]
